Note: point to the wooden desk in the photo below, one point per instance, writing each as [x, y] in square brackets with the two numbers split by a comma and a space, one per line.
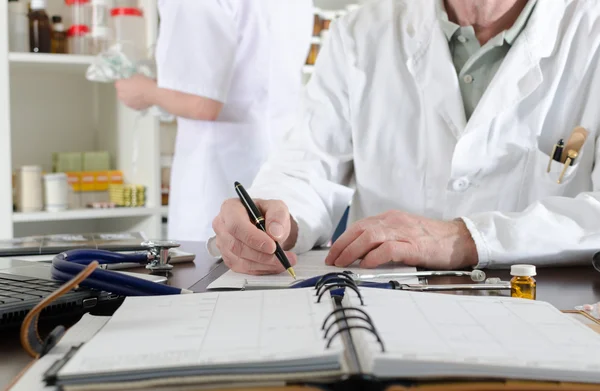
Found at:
[563, 287]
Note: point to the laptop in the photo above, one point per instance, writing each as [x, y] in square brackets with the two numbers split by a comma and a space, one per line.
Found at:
[55, 244]
[24, 284]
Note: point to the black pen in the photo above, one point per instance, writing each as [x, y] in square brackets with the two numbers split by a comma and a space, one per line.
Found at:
[558, 151]
[259, 221]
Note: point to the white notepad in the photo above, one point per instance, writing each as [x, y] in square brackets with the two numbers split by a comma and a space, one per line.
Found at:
[214, 336]
[309, 265]
[429, 335]
[249, 337]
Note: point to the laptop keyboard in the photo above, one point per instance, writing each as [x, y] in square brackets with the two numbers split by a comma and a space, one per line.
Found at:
[16, 289]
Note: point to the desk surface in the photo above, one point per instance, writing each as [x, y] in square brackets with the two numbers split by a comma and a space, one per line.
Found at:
[565, 288]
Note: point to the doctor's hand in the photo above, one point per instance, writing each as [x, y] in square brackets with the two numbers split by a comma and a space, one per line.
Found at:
[246, 248]
[136, 92]
[401, 237]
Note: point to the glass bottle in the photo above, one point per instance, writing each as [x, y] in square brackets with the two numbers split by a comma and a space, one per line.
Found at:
[40, 31]
[523, 285]
[59, 36]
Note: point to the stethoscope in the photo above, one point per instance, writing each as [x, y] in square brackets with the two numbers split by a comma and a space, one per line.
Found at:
[67, 265]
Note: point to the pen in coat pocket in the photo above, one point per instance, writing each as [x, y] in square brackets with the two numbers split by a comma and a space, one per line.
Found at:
[556, 153]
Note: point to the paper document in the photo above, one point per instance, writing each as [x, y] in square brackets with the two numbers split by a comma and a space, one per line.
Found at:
[430, 334]
[208, 330]
[309, 265]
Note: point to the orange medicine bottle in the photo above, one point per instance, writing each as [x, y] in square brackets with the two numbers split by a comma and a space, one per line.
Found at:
[523, 285]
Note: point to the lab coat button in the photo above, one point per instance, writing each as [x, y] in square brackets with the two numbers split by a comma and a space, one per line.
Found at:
[461, 39]
[468, 79]
[461, 184]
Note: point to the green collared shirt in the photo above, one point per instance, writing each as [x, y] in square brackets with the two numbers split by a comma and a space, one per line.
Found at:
[476, 65]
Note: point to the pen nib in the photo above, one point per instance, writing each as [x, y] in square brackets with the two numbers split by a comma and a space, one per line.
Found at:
[292, 273]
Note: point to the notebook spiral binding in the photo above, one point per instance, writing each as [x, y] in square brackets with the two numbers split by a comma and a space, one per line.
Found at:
[361, 319]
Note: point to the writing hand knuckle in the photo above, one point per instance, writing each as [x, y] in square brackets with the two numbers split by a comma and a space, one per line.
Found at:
[388, 249]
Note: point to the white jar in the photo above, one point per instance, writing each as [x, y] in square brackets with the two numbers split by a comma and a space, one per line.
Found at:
[129, 30]
[56, 192]
[29, 189]
[18, 26]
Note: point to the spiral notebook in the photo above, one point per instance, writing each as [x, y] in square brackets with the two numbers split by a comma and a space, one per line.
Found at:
[305, 335]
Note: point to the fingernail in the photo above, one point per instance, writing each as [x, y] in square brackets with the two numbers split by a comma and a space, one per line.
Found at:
[276, 230]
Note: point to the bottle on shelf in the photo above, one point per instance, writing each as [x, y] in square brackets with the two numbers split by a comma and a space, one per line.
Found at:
[40, 31]
[18, 26]
[100, 30]
[80, 12]
[59, 36]
[79, 42]
[129, 30]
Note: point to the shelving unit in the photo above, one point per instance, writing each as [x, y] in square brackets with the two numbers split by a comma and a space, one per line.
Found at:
[83, 214]
[50, 62]
[51, 107]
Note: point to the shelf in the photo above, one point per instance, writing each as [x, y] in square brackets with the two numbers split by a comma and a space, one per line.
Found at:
[55, 62]
[83, 214]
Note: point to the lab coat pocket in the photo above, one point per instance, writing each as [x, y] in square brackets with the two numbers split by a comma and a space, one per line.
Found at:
[546, 177]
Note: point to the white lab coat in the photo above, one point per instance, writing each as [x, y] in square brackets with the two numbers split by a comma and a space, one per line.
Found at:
[249, 55]
[384, 112]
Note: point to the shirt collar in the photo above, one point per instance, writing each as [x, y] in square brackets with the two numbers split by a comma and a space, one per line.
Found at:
[449, 28]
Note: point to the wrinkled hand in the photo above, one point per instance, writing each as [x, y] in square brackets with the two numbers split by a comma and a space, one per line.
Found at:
[401, 237]
[247, 249]
[136, 92]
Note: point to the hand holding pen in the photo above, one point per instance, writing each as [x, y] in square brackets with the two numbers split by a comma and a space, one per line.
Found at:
[248, 249]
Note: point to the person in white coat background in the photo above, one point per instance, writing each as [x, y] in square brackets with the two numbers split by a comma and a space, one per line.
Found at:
[231, 71]
[443, 114]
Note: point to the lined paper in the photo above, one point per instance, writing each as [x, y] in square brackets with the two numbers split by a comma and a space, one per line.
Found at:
[209, 329]
[309, 265]
[442, 334]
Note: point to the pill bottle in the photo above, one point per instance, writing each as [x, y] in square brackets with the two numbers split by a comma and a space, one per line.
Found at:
[315, 47]
[18, 26]
[99, 28]
[129, 30]
[80, 12]
[59, 36]
[79, 39]
[56, 192]
[40, 30]
[523, 285]
[29, 189]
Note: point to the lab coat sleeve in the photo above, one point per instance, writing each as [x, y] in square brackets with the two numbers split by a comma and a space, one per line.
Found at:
[311, 171]
[197, 47]
[549, 230]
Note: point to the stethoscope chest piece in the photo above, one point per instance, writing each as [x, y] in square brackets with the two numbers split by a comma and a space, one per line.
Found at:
[158, 255]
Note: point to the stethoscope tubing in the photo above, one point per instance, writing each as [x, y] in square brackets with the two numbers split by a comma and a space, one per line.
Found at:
[68, 264]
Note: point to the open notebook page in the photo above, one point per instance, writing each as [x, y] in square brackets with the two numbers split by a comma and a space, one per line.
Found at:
[309, 265]
[428, 334]
[208, 330]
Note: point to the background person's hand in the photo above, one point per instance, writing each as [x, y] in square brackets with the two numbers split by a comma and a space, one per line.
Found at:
[246, 248]
[136, 92]
[401, 237]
